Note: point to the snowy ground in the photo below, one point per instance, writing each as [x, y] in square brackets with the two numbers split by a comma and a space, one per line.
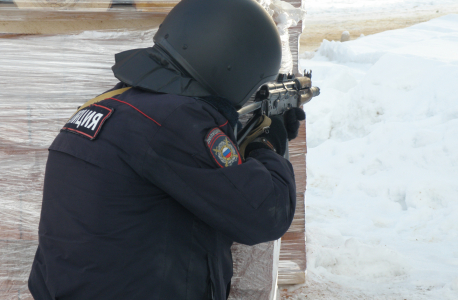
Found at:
[382, 165]
[343, 7]
[327, 19]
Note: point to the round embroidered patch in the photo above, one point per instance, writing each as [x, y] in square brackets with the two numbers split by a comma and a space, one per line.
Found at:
[223, 150]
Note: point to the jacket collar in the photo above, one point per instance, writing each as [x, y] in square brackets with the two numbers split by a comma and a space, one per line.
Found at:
[224, 106]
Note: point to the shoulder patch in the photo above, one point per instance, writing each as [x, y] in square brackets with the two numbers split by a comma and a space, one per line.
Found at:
[88, 121]
[223, 150]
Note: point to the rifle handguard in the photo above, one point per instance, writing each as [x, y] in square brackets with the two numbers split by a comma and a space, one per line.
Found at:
[263, 123]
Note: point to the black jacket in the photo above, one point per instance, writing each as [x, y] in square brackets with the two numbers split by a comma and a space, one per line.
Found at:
[148, 209]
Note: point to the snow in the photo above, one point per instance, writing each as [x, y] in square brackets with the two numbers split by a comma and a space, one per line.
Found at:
[382, 164]
[341, 7]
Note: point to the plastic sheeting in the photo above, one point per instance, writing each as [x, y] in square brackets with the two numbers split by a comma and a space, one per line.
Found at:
[45, 78]
[63, 4]
[94, 5]
[287, 14]
[255, 271]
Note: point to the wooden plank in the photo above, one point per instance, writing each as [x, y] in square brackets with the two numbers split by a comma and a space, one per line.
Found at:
[145, 5]
[293, 263]
[58, 22]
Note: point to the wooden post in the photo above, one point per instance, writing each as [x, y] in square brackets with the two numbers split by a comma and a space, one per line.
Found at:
[292, 264]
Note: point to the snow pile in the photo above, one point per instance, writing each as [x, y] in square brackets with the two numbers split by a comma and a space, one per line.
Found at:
[286, 15]
[382, 194]
[339, 7]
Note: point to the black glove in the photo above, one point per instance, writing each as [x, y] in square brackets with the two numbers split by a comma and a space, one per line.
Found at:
[292, 124]
[282, 129]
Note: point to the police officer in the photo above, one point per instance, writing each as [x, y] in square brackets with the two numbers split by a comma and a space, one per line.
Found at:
[145, 189]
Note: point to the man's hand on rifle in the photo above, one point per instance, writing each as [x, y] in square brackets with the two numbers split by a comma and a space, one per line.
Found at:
[292, 118]
[282, 128]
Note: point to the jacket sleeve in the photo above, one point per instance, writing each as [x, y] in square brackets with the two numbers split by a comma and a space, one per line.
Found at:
[251, 203]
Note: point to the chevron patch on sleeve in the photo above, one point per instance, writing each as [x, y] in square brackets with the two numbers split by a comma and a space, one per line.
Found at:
[222, 149]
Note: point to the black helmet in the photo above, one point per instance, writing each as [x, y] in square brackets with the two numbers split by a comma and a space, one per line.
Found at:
[231, 47]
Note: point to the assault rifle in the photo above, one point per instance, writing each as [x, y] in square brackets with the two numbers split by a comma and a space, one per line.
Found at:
[276, 98]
